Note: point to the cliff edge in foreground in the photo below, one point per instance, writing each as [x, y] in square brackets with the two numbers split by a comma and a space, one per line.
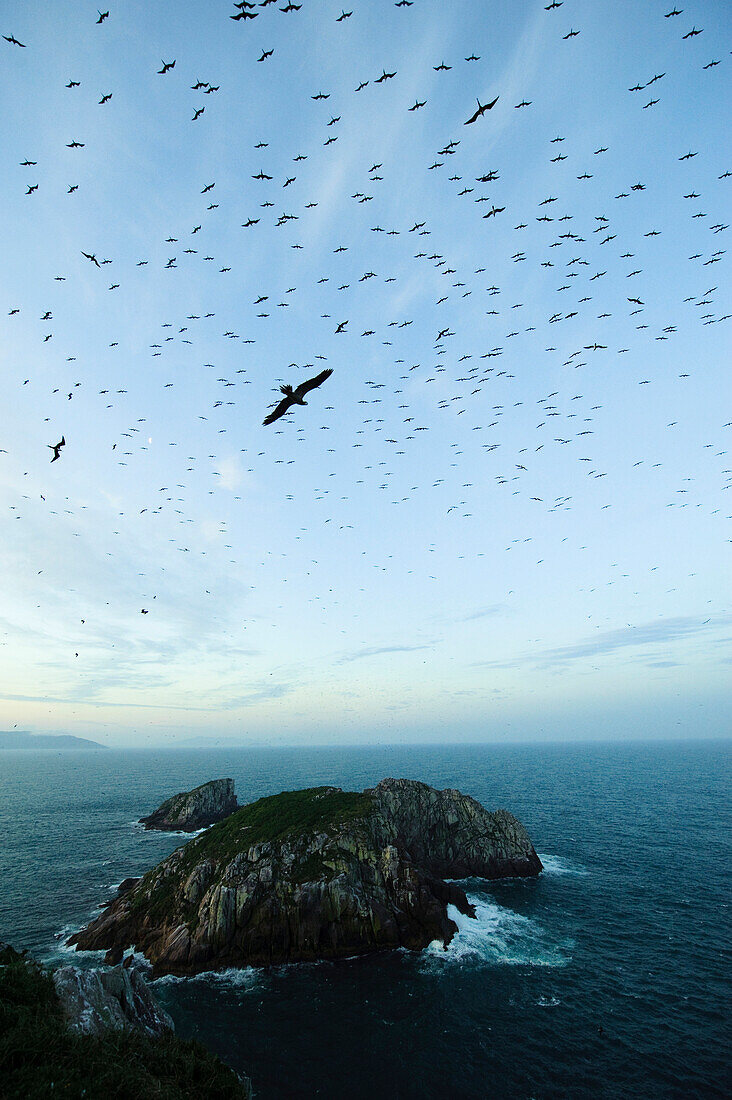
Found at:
[97, 1034]
[315, 874]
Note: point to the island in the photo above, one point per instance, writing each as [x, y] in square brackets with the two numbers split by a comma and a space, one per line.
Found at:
[316, 874]
[64, 742]
[192, 810]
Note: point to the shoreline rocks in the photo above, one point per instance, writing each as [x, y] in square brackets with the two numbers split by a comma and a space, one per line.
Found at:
[94, 1001]
[192, 810]
[98, 1033]
[315, 874]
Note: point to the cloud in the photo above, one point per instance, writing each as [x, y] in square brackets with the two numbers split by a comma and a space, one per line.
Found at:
[656, 633]
[661, 632]
[375, 651]
[230, 472]
[483, 613]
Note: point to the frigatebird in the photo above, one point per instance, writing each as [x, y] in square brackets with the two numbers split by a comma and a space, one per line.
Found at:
[482, 108]
[295, 397]
[56, 448]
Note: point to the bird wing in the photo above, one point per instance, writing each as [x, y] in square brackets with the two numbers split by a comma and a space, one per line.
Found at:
[279, 410]
[311, 383]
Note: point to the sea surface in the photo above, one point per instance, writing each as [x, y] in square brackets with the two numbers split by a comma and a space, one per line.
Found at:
[606, 976]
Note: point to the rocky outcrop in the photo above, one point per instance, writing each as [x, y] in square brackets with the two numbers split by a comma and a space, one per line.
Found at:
[452, 835]
[95, 1000]
[316, 874]
[191, 810]
[97, 1034]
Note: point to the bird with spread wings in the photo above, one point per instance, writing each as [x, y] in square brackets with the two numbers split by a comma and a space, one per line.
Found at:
[296, 396]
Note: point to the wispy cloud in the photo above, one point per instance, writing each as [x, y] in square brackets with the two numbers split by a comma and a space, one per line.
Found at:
[661, 632]
[375, 651]
[483, 613]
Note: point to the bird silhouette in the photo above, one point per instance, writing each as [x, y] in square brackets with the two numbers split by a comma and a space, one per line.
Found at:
[295, 396]
[56, 448]
[482, 108]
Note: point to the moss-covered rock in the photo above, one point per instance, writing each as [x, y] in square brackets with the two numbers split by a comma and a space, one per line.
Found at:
[314, 874]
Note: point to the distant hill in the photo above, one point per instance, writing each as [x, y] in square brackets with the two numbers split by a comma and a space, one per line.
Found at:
[61, 742]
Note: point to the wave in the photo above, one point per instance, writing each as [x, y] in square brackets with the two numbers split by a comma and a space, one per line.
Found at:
[245, 978]
[498, 936]
[61, 952]
[140, 828]
[560, 865]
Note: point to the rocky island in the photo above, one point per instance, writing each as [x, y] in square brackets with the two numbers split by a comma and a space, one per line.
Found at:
[191, 810]
[315, 874]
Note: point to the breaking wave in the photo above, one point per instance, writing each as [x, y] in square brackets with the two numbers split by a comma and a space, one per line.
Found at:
[559, 865]
[245, 978]
[500, 937]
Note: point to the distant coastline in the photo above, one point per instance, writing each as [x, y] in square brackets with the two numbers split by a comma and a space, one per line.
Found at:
[17, 739]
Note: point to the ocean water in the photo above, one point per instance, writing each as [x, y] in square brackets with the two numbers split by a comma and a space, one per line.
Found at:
[607, 976]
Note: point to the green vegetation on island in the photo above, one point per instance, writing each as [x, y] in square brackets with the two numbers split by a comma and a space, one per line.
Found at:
[291, 813]
[320, 873]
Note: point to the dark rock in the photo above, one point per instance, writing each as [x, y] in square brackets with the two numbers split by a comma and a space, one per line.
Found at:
[126, 885]
[95, 1000]
[452, 835]
[316, 874]
[191, 810]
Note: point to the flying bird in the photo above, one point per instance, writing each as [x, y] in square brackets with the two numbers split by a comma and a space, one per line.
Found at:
[482, 108]
[295, 397]
[56, 448]
[14, 41]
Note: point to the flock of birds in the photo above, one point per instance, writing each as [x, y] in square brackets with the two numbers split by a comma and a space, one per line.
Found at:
[577, 253]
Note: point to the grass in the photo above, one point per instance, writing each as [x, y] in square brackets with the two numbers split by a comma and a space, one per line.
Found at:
[292, 813]
[289, 814]
[40, 1058]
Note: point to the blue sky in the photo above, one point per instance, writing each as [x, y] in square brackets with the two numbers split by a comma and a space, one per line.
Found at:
[506, 515]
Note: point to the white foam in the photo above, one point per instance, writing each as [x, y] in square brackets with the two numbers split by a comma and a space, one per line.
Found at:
[138, 958]
[61, 949]
[560, 865]
[246, 978]
[497, 936]
[139, 827]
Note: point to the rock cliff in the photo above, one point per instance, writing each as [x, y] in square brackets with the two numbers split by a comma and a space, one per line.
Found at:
[96, 1000]
[191, 810]
[315, 874]
[97, 1034]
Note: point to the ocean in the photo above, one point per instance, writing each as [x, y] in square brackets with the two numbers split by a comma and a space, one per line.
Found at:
[606, 976]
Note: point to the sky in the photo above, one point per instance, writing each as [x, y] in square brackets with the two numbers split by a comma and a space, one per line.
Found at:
[506, 515]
